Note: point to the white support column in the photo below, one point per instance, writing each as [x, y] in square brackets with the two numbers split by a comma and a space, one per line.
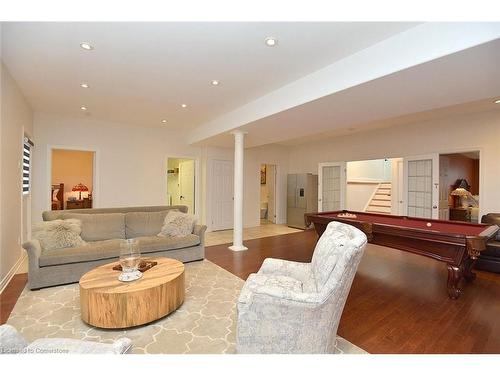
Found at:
[239, 150]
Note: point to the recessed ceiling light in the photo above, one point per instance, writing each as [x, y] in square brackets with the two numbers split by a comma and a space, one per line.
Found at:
[163, 121]
[86, 46]
[497, 101]
[184, 105]
[271, 42]
[215, 82]
[84, 85]
[83, 108]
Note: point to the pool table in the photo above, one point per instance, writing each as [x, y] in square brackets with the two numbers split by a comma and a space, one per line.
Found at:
[458, 244]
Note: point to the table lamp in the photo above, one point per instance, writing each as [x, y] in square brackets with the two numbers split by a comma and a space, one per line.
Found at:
[80, 187]
[461, 190]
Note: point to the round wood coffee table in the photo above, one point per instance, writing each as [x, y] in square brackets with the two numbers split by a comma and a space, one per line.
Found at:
[107, 302]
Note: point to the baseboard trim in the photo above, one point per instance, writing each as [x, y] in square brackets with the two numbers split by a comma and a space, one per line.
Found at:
[6, 280]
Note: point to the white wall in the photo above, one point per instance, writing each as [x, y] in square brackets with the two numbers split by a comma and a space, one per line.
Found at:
[16, 120]
[358, 194]
[369, 170]
[254, 157]
[130, 161]
[477, 131]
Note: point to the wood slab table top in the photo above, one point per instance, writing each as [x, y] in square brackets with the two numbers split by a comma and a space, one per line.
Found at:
[107, 302]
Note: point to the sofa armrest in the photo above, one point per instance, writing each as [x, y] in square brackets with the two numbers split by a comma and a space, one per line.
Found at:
[199, 230]
[34, 250]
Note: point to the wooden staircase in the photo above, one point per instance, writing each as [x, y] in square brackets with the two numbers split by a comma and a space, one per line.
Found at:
[380, 202]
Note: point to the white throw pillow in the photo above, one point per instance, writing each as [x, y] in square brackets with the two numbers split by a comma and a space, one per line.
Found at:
[58, 234]
[177, 224]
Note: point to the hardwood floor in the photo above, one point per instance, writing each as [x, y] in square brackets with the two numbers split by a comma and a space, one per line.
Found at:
[11, 293]
[398, 302]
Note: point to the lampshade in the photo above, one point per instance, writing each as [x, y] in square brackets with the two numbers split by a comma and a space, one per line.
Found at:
[80, 187]
[461, 192]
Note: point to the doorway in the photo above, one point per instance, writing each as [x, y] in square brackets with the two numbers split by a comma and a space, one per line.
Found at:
[459, 186]
[267, 194]
[72, 179]
[181, 182]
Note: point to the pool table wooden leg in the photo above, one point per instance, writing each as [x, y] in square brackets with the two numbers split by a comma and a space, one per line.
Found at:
[468, 274]
[455, 274]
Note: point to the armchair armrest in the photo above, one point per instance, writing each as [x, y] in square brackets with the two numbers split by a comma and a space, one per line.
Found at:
[296, 270]
[11, 341]
[267, 287]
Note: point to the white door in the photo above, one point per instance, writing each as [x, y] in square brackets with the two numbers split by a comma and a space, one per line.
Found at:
[331, 186]
[400, 191]
[271, 192]
[422, 186]
[222, 194]
[186, 184]
[444, 209]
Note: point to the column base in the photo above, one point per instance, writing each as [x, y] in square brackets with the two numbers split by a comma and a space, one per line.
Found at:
[238, 248]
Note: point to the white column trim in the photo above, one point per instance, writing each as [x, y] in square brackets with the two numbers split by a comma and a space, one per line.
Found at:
[239, 150]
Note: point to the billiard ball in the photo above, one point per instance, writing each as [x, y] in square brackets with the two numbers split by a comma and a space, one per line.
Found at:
[429, 224]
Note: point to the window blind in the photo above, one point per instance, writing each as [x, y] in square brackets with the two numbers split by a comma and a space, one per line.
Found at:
[27, 146]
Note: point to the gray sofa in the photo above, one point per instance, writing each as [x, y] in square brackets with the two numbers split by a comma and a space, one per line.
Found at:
[103, 229]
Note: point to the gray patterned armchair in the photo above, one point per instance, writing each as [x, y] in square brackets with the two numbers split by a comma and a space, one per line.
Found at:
[291, 307]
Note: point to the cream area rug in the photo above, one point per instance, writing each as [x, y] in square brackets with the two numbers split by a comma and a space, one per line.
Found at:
[204, 324]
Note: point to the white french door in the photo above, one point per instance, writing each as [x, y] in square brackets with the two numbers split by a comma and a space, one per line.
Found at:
[186, 184]
[222, 194]
[271, 192]
[421, 180]
[331, 186]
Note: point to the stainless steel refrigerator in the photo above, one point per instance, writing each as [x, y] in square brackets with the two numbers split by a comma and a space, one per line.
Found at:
[302, 197]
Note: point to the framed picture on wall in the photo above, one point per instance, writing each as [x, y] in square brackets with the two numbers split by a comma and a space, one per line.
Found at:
[263, 174]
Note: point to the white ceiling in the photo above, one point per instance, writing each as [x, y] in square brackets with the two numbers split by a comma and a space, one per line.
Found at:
[140, 73]
[463, 82]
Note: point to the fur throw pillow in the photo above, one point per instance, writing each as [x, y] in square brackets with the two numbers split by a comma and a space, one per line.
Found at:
[177, 224]
[58, 234]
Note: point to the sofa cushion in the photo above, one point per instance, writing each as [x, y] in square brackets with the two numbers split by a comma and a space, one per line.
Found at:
[154, 243]
[140, 224]
[58, 234]
[99, 227]
[177, 224]
[97, 250]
